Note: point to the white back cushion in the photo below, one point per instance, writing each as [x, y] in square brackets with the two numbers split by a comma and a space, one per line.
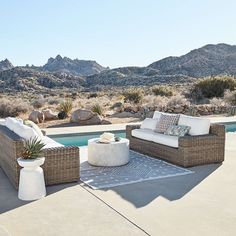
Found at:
[3, 122]
[17, 126]
[157, 114]
[199, 126]
[32, 125]
[26, 132]
[149, 123]
[12, 123]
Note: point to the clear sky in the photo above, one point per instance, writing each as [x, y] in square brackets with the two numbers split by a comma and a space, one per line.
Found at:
[113, 32]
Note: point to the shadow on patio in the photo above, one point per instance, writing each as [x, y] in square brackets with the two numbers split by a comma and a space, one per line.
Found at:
[173, 188]
[8, 194]
[139, 194]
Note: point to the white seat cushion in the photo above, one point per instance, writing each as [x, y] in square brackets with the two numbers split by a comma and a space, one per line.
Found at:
[149, 123]
[50, 143]
[199, 126]
[149, 135]
[145, 134]
[171, 141]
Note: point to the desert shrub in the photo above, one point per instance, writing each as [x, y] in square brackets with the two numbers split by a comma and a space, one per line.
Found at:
[152, 100]
[214, 86]
[97, 109]
[133, 96]
[177, 100]
[53, 101]
[230, 97]
[217, 102]
[92, 95]
[66, 106]
[163, 91]
[13, 107]
[38, 103]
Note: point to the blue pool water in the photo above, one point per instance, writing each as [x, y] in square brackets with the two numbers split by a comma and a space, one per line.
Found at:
[82, 139]
[230, 127]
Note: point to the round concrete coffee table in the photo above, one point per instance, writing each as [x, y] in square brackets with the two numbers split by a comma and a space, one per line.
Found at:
[108, 154]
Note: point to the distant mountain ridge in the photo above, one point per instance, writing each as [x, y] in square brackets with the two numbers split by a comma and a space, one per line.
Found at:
[5, 65]
[208, 60]
[64, 72]
[62, 65]
[72, 67]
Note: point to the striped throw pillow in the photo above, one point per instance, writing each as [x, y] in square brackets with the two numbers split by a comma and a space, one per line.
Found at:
[165, 122]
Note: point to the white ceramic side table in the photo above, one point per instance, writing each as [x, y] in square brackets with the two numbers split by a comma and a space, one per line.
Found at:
[32, 184]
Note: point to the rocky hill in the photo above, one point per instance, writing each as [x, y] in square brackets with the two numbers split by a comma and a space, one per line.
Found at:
[75, 67]
[133, 76]
[5, 65]
[65, 73]
[208, 60]
[30, 80]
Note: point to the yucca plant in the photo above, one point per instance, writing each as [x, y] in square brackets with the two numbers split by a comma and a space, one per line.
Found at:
[66, 106]
[97, 109]
[32, 149]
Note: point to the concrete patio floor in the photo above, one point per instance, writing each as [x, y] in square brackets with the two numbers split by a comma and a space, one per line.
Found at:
[199, 204]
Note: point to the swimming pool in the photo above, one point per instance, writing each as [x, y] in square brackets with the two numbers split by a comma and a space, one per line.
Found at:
[82, 139]
[230, 127]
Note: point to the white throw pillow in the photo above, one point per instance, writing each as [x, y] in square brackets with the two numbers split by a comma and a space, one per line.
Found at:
[32, 125]
[149, 123]
[12, 123]
[199, 126]
[26, 132]
[157, 114]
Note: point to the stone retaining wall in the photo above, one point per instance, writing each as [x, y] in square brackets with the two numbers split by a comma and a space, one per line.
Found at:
[194, 110]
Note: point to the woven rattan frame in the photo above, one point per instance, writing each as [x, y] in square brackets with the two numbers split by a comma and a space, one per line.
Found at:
[62, 164]
[192, 150]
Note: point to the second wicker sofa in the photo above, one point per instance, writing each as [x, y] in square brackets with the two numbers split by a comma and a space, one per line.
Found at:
[189, 150]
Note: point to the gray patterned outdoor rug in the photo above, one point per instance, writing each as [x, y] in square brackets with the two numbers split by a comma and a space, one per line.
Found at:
[140, 168]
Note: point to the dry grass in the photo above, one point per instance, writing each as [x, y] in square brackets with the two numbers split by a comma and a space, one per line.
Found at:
[107, 103]
[177, 100]
[13, 107]
[230, 97]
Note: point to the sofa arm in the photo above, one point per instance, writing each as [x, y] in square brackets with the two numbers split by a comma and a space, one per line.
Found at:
[216, 134]
[62, 151]
[201, 141]
[217, 129]
[62, 165]
[129, 129]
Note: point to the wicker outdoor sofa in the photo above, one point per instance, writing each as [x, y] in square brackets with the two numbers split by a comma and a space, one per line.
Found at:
[62, 164]
[191, 150]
